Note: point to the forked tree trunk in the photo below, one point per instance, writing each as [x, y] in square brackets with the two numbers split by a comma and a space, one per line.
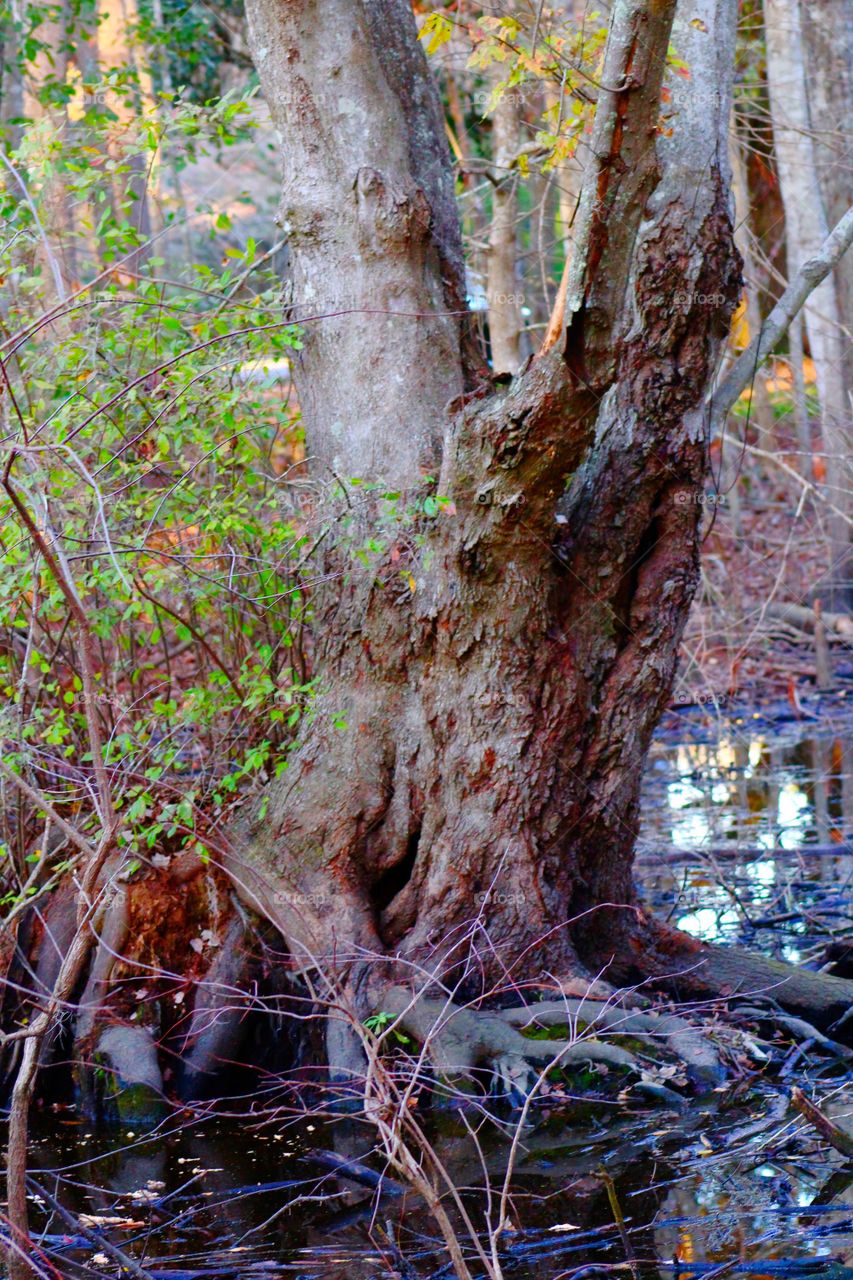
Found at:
[492, 684]
[464, 798]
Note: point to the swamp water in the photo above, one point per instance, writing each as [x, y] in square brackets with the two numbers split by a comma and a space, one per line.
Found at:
[746, 838]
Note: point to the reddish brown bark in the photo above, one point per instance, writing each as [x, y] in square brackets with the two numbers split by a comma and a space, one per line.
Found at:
[501, 669]
[464, 798]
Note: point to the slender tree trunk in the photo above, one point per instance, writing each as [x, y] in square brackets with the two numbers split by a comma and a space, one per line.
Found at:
[761, 413]
[44, 106]
[11, 87]
[796, 354]
[116, 38]
[806, 228]
[502, 282]
[828, 31]
[569, 178]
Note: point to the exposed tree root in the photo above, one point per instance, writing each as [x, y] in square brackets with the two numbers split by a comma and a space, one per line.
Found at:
[801, 1030]
[466, 1043]
[690, 969]
[461, 1040]
[684, 1041]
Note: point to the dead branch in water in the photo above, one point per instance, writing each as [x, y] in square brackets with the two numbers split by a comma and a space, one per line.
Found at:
[827, 1128]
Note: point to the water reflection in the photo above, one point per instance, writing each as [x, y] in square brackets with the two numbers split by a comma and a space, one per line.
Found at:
[730, 1181]
[748, 839]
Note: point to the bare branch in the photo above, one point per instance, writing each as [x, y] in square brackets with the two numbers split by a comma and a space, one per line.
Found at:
[80, 842]
[797, 294]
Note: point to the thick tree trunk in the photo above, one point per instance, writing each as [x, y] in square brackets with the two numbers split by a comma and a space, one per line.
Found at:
[494, 683]
[463, 801]
[368, 208]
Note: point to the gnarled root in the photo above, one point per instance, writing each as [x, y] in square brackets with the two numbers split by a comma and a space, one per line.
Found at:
[680, 1037]
[693, 969]
[461, 1041]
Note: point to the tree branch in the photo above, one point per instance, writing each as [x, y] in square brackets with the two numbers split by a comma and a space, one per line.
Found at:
[619, 180]
[42, 803]
[810, 275]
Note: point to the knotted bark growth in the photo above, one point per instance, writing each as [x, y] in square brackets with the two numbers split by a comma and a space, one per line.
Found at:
[462, 804]
[492, 684]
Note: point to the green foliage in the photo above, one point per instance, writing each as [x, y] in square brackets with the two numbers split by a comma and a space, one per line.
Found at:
[185, 48]
[379, 1023]
[549, 63]
[153, 457]
[194, 44]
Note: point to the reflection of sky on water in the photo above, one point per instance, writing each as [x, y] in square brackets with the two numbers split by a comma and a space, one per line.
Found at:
[706, 798]
[705, 804]
[731, 835]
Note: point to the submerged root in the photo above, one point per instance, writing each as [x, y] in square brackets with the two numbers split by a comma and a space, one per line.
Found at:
[462, 1042]
[683, 1040]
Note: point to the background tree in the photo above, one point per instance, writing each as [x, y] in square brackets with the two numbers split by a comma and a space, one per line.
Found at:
[807, 226]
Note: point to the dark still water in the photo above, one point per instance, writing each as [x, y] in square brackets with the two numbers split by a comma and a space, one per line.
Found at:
[745, 838]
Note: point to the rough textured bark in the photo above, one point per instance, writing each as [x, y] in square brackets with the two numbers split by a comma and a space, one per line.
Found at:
[497, 714]
[463, 802]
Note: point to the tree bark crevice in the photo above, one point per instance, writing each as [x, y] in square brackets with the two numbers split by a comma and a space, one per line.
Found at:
[463, 800]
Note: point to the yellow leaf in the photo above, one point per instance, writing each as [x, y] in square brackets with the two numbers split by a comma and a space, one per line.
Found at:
[436, 31]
